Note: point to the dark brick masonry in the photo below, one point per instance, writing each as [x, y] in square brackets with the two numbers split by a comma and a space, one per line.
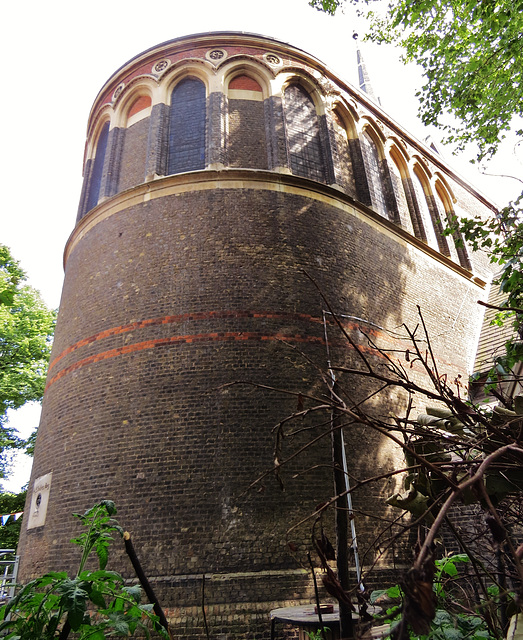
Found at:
[183, 303]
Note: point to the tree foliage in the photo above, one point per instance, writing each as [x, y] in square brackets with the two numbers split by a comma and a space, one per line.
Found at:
[471, 54]
[26, 329]
[502, 238]
[10, 531]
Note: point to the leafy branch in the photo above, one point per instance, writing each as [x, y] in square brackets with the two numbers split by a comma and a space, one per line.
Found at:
[94, 604]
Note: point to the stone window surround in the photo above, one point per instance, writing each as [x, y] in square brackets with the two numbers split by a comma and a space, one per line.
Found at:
[272, 82]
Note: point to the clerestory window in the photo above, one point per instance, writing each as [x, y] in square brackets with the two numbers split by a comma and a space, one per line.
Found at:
[187, 127]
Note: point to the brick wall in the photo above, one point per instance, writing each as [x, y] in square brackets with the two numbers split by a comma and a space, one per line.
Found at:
[134, 155]
[166, 302]
[246, 142]
[184, 299]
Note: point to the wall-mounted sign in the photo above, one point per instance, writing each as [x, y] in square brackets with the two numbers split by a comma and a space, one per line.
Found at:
[39, 501]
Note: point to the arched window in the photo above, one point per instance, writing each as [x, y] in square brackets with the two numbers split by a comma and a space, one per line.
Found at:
[424, 210]
[457, 249]
[344, 168]
[400, 195]
[371, 160]
[133, 158]
[246, 137]
[303, 134]
[187, 127]
[97, 168]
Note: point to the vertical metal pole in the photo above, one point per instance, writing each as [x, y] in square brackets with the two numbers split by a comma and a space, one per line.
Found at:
[14, 577]
[342, 514]
[354, 543]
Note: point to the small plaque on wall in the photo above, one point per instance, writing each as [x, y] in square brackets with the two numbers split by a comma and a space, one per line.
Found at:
[39, 501]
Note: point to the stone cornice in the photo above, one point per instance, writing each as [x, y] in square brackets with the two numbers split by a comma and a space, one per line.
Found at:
[211, 179]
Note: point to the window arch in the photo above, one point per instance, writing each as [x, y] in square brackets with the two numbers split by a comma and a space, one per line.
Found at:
[372, 161]
[303, 134]
[140, 104]
[458, 251]
[426, 218]
[130, 162]
[245, 83]
[246, 137]
[343, 136]
[186, 149]
[97, 168]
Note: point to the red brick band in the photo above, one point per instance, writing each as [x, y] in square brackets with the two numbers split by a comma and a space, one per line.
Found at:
[214, 336]
[183, 317]
[187, 339]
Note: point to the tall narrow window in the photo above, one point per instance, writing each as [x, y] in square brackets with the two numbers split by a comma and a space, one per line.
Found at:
[187, 127]
[344, 162]
[401, 197]
[426, 218]
[303, 134]
[458, 251]
[98, 167]
[371, 159]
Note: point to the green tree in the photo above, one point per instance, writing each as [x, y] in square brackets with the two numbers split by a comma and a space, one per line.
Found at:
[26, 329]
[10, 531]
[471, 53]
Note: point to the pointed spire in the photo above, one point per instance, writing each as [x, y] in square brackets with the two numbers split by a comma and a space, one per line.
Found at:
[364, 79]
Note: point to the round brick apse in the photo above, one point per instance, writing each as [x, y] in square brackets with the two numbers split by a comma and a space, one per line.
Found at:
[221, 194]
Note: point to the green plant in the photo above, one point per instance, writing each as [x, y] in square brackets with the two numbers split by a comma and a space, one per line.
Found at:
[317, 634]
[448, 623]
[95, 604]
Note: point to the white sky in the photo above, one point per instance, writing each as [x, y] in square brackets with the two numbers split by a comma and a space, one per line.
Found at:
[57, 55]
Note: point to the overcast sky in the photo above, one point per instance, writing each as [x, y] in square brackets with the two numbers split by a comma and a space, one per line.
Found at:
[56, 56]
